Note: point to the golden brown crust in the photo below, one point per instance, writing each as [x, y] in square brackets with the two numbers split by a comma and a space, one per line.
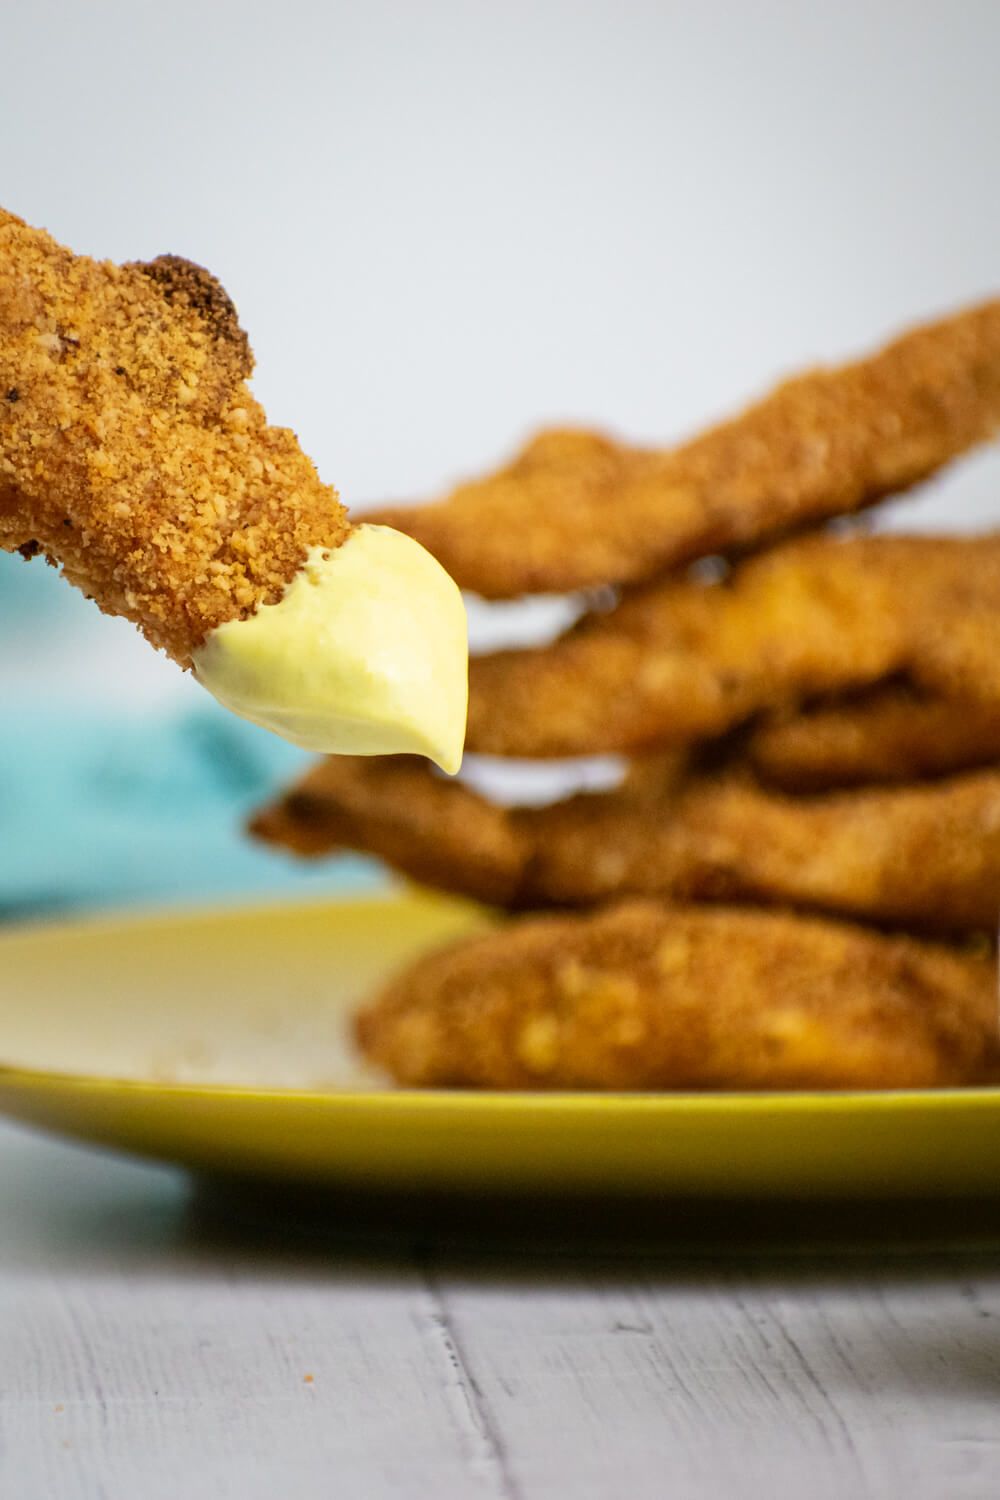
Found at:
[439, 832]
[132, 452]
[576, 509]
[681, 661]
[889, 734]
[922, 857]
[643, 996]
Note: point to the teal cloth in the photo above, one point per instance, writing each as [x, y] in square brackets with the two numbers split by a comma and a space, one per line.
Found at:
[104, 810]
[95, 812]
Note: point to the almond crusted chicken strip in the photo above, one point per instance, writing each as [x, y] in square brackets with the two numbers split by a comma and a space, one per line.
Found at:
[682, 660]
[889, 734]
[440, 833]
[643, 996]
[924, 857]
[132, 453]
[576, 509]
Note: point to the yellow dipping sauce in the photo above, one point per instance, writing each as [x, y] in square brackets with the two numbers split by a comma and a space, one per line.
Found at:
[366, 653]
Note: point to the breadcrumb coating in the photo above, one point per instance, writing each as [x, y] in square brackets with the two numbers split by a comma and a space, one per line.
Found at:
[132, 453]
[888, 734]
[576, 509]
[440, 833]
[643, 996]
[682, 660]
[923, 857]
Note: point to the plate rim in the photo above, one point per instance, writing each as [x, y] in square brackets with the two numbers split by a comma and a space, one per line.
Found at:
[543, 1101]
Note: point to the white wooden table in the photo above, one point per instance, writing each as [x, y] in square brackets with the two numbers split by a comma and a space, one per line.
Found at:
[150, 1351]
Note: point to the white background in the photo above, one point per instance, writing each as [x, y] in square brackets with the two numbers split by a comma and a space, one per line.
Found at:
[445, 224]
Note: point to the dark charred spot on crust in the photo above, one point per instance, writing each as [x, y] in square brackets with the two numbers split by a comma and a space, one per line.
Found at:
[119, 369]
[182, 281]
[13, 395]
[30, 550]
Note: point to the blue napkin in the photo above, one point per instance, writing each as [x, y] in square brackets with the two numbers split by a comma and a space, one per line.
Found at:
[95, 811]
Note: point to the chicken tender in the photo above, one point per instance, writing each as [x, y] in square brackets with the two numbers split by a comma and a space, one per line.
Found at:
[889, 734]
[684, 660]
[576, 509]
[645, 996]
[441, 833]
[922, 857]
[132, 453]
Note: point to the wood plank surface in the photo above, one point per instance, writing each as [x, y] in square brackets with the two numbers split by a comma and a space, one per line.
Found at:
[150, 1349]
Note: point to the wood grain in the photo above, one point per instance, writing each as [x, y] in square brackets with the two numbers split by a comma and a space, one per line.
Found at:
[149, 1351]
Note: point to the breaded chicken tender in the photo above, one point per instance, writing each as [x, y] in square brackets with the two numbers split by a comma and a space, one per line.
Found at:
[576, 509]
[645, 996]
[683, 660]
[888, 734]
[441, 833]
[925, 857]
[132, 453]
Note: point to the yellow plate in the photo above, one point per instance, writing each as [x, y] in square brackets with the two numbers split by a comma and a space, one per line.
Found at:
[220, 1040]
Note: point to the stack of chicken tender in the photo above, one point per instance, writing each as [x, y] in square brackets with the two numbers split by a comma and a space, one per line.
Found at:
[797, 881]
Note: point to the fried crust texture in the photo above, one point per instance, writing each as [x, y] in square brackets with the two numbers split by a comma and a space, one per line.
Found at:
[684, 660]
[890, 734]
[645, 996]
[132, 453]
[923, 857]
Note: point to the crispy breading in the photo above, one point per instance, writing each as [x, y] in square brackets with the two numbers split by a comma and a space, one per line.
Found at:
[888, 734]
[439, 832]
[684, 660]
[576, 509]
[131, 450]
[924, 857]
[643, 996]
